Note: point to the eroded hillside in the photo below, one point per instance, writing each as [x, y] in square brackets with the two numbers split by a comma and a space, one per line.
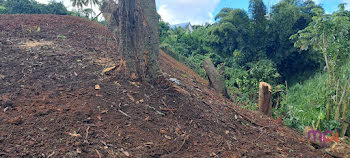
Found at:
[63, 95]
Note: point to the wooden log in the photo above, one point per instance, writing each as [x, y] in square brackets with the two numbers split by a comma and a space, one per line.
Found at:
[265, 98]
[215, 79]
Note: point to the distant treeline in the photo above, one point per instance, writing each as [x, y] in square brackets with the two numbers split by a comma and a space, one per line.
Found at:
[32, 7]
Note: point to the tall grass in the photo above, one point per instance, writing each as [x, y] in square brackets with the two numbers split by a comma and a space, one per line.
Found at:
[305, 104]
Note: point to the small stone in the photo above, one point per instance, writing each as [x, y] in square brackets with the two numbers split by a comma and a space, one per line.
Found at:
[176, 81]
[167, 137]
[117, 83]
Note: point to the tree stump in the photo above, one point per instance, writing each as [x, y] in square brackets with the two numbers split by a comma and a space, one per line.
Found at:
[265, 98]
[215, 79]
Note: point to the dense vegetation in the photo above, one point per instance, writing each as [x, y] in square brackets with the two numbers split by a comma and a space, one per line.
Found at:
[297, 41]
[253, 46]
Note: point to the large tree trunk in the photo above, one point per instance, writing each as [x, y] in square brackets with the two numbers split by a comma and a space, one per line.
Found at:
[215, 79]
[135, 25]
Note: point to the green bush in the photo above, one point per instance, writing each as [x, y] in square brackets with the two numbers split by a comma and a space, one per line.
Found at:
[2, 10]
[264, 71]
[244, 82]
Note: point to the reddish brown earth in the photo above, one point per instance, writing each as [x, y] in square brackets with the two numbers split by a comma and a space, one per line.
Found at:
[49, 106]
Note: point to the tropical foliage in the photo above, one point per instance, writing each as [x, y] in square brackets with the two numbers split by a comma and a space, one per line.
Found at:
[328, 35]
[253, 46]
[285, 48]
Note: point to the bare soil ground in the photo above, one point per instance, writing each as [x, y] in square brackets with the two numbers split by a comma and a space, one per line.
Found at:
[49, 106]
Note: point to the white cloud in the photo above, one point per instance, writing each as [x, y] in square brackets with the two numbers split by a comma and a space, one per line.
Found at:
[347, 6]
[42, 1]
[194, 11]
[317, 1]
[334, 7]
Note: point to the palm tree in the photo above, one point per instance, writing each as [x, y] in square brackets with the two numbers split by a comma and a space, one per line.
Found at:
[87, 12]
[92, 2]
[79, 3]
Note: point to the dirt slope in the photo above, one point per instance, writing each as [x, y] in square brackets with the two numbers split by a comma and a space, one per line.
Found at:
[49, 106]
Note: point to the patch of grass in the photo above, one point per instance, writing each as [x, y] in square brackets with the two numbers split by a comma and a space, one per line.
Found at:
[61, 37]
[306, 103]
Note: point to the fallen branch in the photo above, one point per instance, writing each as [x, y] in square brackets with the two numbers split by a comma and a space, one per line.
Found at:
[124, 113]
[163, 109]
[87, 133]
[180, 147]
[253, 122]
[160, 113]
[98, 153]
[53, 153]
[90, 125]
[164, 103]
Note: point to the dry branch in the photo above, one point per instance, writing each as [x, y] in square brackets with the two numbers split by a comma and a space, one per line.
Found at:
[98, 153]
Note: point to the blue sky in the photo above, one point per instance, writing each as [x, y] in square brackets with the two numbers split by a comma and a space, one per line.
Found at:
[204, 11]
[329, 5]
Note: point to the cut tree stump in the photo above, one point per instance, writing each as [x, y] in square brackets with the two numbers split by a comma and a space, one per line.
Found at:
[265, 105]
[215, 79]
